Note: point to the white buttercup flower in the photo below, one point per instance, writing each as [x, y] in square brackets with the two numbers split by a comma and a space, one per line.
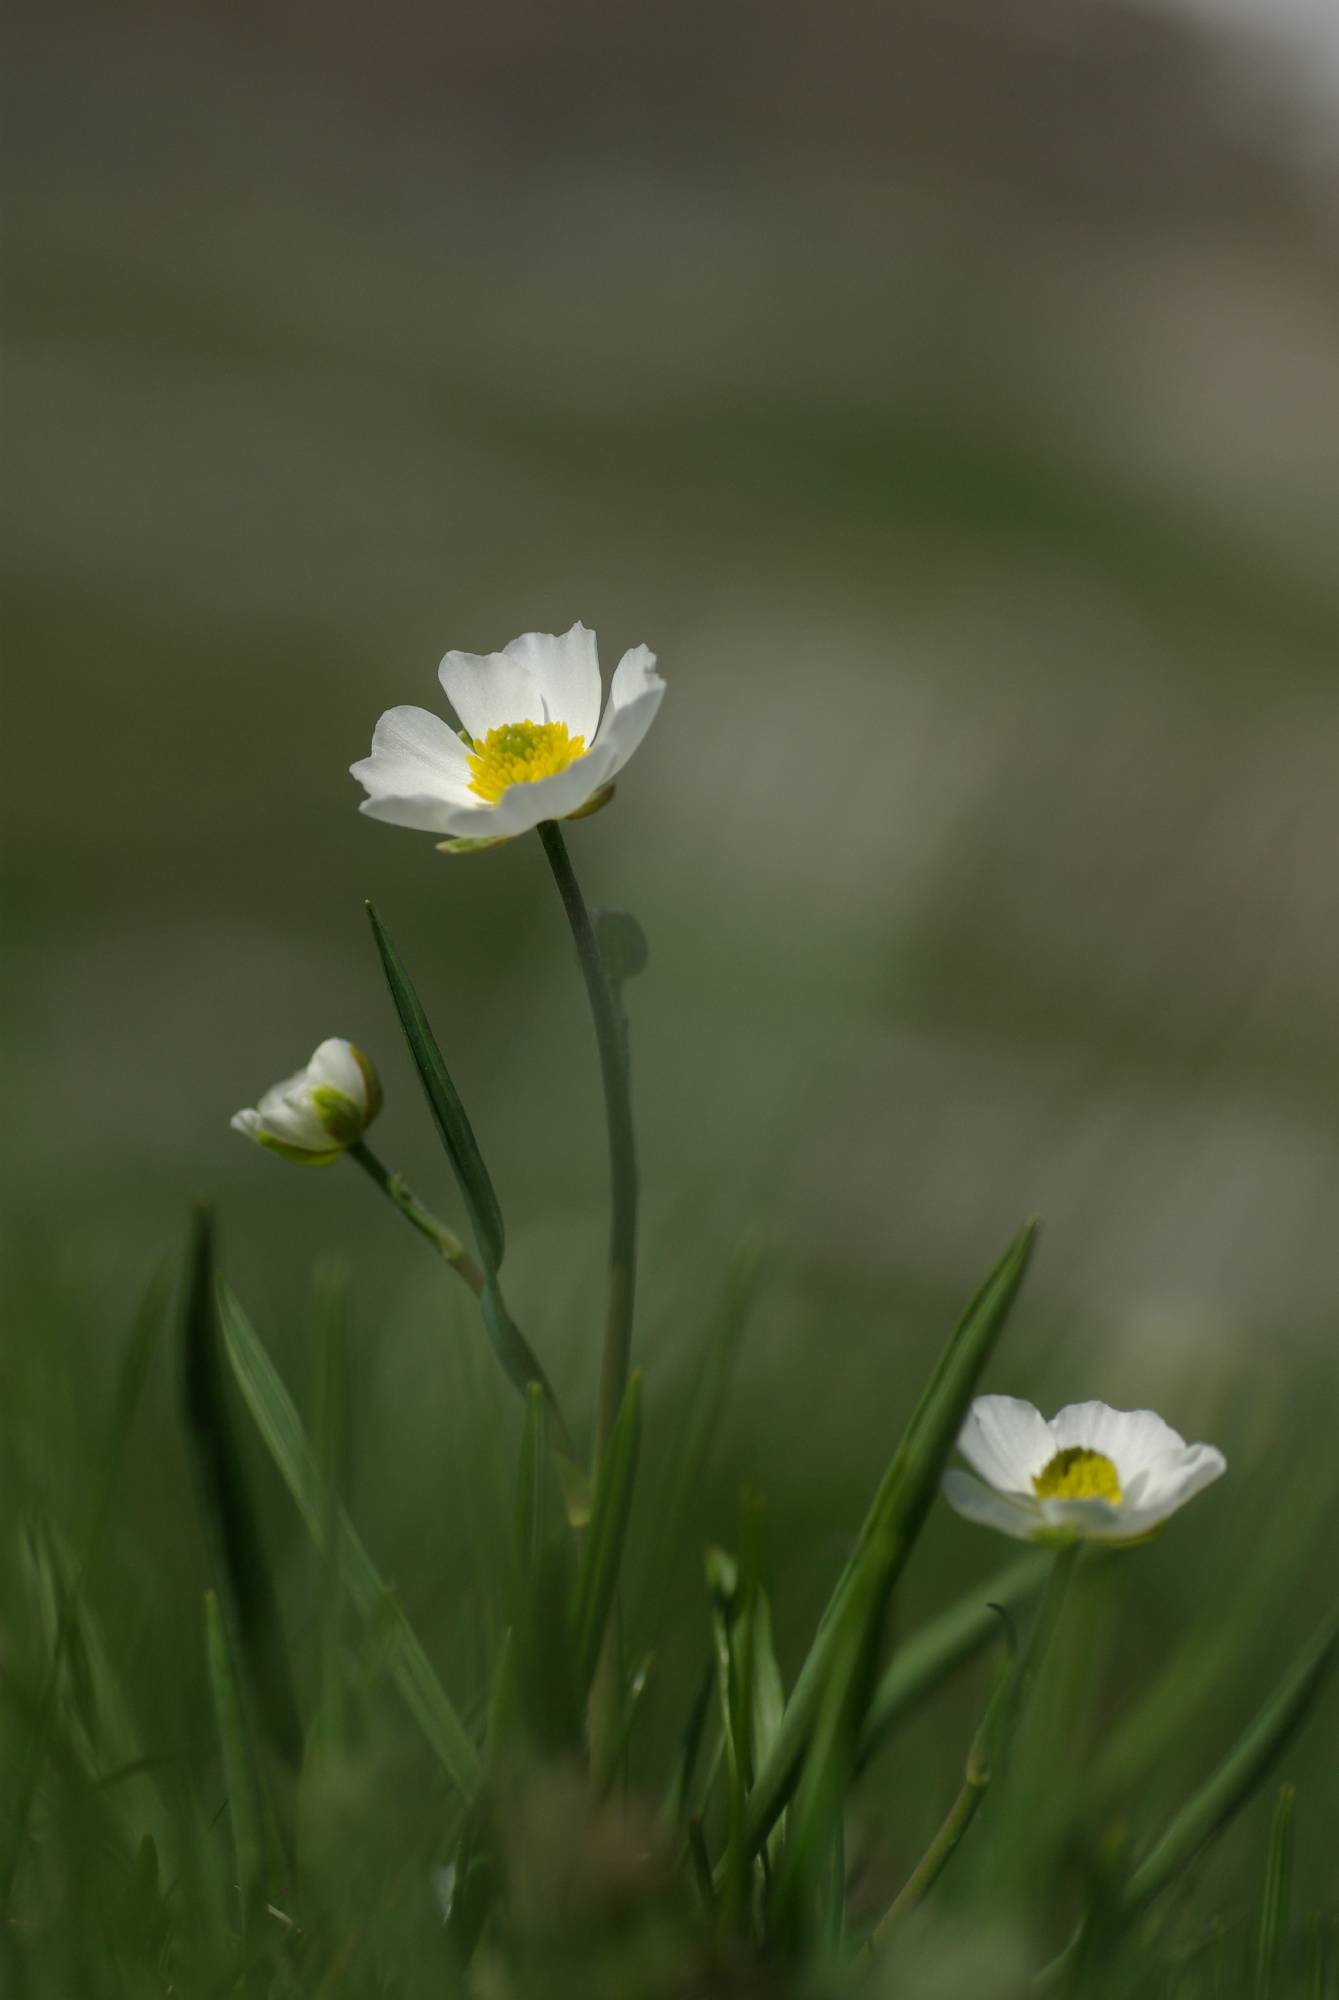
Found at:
[532, 747]
[1090, 1474]
[314, 1115]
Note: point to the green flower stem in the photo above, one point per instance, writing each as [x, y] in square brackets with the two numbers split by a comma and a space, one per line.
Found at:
[622, 1146]
[606, 1698]
[444, 1241]
[1043, 1630]
[975, 1784]
[998, 1726]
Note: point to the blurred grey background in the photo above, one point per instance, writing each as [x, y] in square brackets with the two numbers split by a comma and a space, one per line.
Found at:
[948, 393]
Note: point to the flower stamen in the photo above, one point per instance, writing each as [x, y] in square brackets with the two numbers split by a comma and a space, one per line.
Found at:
[518, 753]
[1078, 1474]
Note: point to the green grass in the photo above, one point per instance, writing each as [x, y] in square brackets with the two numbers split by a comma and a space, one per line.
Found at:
[297, 1647]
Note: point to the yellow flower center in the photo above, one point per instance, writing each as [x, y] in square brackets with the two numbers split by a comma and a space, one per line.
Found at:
[520, 752]
[1078, 1474]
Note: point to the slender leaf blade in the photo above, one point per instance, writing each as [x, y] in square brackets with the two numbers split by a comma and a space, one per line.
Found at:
[1245, 1767]
[454, 1128]
[897, 1512]
[240, 1775]
[226, 1507]
[281, 1429]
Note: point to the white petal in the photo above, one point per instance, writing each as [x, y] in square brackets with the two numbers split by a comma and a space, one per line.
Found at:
[635, 693]
[489, 689]
[293, 1119]
[429, 815]
[414, 755]
[1006, 1440]
[524, 806]
[975, 1502]
[1129, 1438]
[335, 1067]
[1168, 1482]
[566, 669]
[246, 1122]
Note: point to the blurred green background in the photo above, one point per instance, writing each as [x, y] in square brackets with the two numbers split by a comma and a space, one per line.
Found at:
[950, 397]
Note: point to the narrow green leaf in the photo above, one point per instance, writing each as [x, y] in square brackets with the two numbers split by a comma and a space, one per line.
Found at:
[239, 1769]
[1244, 1768]
[226, 1508]
[922, 1664]
[602, 1552]
[732, 1654]
[1278, 1888]
[628, 1714]
[829, 1757]
[332, 1449]
[897, 1512]
[281, 1429]
[444, 1102]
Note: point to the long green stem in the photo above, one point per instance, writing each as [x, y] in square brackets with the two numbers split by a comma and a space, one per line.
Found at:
[975, 1783]
[443, 1240]
[998, 1726]
[622, 1146]
[606, 1698]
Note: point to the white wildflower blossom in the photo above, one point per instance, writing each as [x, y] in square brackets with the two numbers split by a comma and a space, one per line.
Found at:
[1089, 1474]
[532, 745]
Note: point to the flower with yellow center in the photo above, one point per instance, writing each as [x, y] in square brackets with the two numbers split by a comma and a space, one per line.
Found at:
[1090, 1474]
[533, 744]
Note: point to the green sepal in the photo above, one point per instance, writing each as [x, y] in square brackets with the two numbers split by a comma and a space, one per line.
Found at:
[299, 1155]
[342, 1118]
[595, 803]
[475, 846]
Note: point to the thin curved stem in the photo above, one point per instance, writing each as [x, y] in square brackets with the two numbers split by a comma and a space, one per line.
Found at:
[610, 1039]
[443, 1240]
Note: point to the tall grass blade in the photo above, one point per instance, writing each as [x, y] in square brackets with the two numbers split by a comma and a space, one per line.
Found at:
[281, 1429]
[229, 1518]
[897, 1512]
[816, 1815]
[240, 1776]
[1278, 1889]
[1245, 1767]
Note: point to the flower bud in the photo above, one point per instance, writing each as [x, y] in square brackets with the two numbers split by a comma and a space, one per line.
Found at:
[313, 1116]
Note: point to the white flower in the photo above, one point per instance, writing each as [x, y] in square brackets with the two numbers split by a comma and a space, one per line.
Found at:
[311, 1117]
[533, 746]
[1090, 1474]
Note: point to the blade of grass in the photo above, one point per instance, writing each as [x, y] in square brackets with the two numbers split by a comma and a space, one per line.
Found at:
[229, 1519]
[1245, 1767]
[897, 1512]
[1278, 1887]
[281, 1429]
[240, 1775]
[820, 1797]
